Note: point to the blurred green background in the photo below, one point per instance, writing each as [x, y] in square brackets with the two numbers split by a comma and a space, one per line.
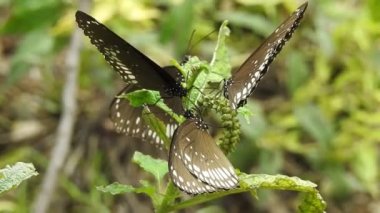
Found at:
[316, 113]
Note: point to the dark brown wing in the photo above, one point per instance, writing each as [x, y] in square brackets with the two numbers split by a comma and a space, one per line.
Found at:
[138, 71]
[243, 82]
[182, 178]
[195, 150]
[132, 65]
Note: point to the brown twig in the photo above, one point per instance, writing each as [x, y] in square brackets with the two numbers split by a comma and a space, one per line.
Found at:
[66, 124]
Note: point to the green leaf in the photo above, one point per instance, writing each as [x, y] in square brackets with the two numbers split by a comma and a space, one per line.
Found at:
[146, 188]
[157, 167]
[279, 182]
[312, 203]
[192, 68]
[116, 188]
[195, 94]
[252, 182]
[220, 63]
[138, 98]
[196, 80]
[156, 125]
[142, 97]
[12, 176]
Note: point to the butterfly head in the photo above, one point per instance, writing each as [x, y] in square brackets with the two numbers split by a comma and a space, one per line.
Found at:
[189, 114]
[185, 59]
[176, 89]
[200, 124]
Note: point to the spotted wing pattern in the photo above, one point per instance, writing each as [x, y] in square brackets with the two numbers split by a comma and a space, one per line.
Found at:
[182, 177]
[132, 65]
[128, 119]
[196, 163]
[244, 81]
[139, 72]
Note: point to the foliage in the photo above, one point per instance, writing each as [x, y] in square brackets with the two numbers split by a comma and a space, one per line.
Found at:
[315, 115]
[140, 97]
[158, 168]
[12, 176]
[313, 201]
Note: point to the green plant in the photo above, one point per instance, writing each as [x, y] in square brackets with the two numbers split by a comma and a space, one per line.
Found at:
[12, 176]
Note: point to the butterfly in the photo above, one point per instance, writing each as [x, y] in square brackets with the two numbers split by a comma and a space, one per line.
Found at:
[196, 164]
[138, 72]
[244, 81]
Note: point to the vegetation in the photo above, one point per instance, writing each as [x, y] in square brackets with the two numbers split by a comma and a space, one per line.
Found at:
[315, 115]
[13, 175]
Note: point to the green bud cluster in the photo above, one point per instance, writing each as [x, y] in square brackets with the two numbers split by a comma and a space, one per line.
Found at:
[231, 126]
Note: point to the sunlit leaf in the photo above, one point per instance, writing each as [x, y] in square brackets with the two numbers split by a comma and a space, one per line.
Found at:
[312, 201]
[140, 97]
[279, 182]
[220, 63]
[157, 167]
[12, 176]
[197, 79]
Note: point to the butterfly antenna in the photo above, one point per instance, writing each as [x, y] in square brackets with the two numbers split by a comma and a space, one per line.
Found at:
[189, 43]
[190, 47]
[201, 39]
